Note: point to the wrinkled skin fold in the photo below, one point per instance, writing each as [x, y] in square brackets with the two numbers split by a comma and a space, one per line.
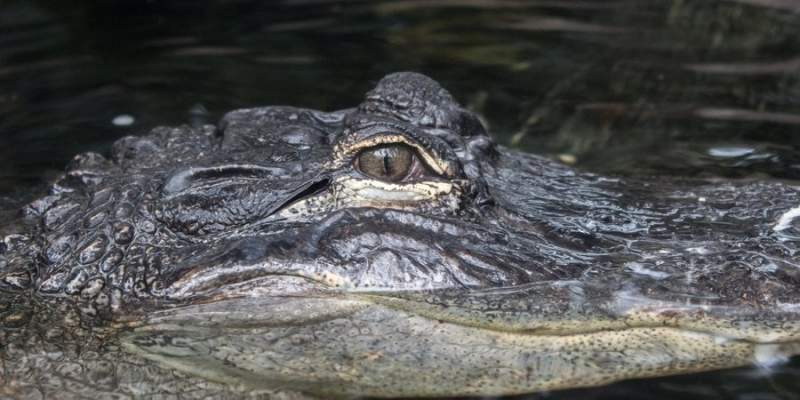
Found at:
[389, 250]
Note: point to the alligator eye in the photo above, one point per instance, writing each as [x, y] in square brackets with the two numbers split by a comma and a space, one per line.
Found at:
[389, 163]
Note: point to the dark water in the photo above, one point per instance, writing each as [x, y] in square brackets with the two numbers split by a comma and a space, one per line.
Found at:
[690, 88]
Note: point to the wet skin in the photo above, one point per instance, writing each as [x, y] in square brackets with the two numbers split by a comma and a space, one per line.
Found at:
[390, 250]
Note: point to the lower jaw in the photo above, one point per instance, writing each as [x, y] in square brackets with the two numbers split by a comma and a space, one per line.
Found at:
[350, 347]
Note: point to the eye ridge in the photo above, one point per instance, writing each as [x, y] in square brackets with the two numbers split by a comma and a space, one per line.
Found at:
[391, 162]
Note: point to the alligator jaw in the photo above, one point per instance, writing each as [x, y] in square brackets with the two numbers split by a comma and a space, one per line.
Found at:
[333, 342]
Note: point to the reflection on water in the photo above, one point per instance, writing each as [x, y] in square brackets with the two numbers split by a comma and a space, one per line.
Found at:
[644, 87]
[690, 88]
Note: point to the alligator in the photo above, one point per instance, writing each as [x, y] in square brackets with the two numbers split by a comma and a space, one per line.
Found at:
[388, 250]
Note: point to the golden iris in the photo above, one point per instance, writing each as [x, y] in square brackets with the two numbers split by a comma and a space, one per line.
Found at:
[389, 163]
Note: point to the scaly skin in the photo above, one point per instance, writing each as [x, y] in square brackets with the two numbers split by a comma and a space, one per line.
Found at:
[262, 259]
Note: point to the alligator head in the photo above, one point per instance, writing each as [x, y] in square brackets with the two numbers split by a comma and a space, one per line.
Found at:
[391, 250]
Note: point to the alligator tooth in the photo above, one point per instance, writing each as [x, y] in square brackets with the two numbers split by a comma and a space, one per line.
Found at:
[769, 355]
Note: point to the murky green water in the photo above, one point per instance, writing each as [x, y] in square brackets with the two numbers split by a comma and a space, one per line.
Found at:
[690, 88]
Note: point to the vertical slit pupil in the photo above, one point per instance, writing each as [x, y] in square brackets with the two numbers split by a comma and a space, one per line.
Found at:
[385, 163]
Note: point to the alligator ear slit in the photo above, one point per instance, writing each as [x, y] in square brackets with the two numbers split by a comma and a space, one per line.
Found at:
[186, 178]
[303, 193]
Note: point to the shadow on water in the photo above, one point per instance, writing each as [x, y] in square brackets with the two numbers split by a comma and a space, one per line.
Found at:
[681, 87]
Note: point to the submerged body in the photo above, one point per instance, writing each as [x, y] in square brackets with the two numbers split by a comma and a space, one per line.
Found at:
[391, 250]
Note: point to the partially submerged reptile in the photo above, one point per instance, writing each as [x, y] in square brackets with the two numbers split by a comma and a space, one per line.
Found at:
[390, 250]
